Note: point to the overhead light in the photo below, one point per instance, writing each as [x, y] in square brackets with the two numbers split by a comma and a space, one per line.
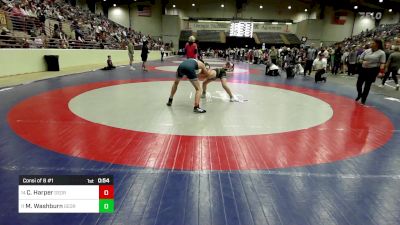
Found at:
[380, 1]
[390, 10]
[193, 4]
[104, 0]
[173, 6]
[289, 7]
[222, 5]
[115, 5]
[355, 7]
[261, 6]
[305, 10]
[288, 23]
[275, 23]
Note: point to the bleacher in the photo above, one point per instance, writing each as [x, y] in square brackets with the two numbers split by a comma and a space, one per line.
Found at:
[209, 36]
[386, 32]
[31, 31]
[270, 38]
[23, 30]
[293, 39]
[185, 34]
[23, 23]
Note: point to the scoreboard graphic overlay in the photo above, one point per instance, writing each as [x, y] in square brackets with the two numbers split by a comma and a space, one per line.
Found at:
[66, 194]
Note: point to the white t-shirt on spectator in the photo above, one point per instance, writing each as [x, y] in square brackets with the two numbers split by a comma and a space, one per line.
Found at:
[31, 13]
[38, 42]
[24, 12]
[273, 67]
[344, 56]
[326, 54]
[98, 29]
[320, 64]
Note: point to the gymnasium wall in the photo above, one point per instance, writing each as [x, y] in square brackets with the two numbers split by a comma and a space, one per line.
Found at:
[171, 27]
[127, 15]
[322, 31]
[310, 29]
[330, 32]
[307, 24]
[99, 8]
[82, 4]
[362, 24]
[147, 24]
[203, 9]
[274, 10]
[120, 15]
[32, 60]
[390, 18]
[298, 17]
[212, 9]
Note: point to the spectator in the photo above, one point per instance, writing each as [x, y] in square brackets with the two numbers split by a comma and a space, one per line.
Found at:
[130, 53]
[25, 43]
[162, 53]
[91, 26]
[337, 57]
[344, 60]
[63, 44]
[352, 61]
[320, 65]
[392, 67]
[273, 54]
[191, 48]
[38, 42]
[145, 53]
[16, 11]
[311, 55]
[373, 64]
[256, 54]
[110, 65]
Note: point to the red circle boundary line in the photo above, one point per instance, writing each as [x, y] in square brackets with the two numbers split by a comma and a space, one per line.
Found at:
[51, 125]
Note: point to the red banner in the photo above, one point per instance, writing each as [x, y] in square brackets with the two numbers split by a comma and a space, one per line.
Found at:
[339, 18]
